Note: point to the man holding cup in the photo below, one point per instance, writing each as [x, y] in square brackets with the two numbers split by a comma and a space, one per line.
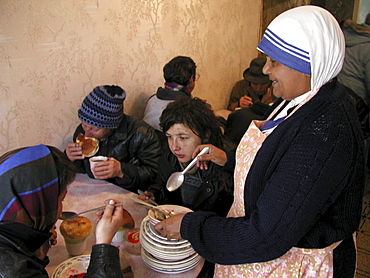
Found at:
[131, 147]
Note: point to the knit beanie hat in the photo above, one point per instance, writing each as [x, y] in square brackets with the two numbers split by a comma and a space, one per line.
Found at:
[103, 107]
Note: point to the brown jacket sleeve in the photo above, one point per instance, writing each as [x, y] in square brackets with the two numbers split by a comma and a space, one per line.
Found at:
[240, 89]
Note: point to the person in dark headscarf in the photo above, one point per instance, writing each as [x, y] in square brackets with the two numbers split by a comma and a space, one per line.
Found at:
[33, 183]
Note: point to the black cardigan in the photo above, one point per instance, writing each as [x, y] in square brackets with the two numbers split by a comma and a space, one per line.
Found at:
[304, 189]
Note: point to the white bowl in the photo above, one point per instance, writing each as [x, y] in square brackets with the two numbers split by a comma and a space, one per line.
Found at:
[152, 235]
[170, 267]
[161, 248]
[170, 208]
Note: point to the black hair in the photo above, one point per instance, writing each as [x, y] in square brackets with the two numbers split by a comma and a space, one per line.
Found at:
[65, 168]
[179, 70]
[193, 113]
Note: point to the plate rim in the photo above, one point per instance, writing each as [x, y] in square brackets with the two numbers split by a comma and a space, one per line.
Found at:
[70, 260]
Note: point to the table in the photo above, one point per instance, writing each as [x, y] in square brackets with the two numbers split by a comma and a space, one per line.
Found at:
[85, 193]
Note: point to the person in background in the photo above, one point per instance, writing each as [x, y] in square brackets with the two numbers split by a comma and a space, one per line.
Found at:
[249, 100]
[252, 88]
[362, 112]
[132, 147]
[180, 76]
[299, 175]
[188, 123]
[34, 183]
[356, 69]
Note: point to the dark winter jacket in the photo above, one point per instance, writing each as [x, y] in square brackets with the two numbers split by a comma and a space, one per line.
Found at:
[17, 260]
[214, 193]
[136, 146]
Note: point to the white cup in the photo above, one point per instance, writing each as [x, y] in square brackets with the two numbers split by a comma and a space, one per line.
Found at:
[118, 238]
[95, 159]
[76, 248]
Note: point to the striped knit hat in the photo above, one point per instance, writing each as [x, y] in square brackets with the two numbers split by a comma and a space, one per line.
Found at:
[103, 107]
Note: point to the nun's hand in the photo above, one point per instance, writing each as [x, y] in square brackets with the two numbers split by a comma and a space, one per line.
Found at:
[170, 228]
[214, 154]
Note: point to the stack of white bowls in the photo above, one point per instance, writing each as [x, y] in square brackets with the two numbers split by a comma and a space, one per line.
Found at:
[163, 255]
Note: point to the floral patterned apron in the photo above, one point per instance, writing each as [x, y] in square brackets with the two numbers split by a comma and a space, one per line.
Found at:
[297, 262]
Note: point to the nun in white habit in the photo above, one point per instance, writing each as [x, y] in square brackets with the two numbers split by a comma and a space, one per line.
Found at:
[298, 175]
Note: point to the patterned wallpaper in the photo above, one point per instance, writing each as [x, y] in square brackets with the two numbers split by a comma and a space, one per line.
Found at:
[53, 53]
[272, 8]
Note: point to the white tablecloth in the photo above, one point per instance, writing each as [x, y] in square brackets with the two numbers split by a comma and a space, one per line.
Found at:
[85, 193]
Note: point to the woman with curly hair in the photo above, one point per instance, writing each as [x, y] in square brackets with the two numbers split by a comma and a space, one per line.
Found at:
[188, 123]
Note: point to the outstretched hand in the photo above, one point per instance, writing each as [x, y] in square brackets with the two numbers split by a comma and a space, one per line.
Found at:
[214, 154]
[108, 222]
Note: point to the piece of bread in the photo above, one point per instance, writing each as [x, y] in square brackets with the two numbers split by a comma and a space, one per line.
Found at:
[89, 145]
[76, 229]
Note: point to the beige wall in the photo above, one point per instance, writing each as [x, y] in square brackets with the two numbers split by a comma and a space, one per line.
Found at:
[52, 53]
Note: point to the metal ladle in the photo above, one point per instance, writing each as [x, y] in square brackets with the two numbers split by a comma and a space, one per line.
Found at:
[177, 178]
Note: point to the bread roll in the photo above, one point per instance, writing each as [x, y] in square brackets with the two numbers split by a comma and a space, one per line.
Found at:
[89, 145]
[76, 229]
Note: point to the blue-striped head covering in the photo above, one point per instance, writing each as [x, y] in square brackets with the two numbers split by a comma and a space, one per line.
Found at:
[307, 39]
[103, 107]
[29, 188]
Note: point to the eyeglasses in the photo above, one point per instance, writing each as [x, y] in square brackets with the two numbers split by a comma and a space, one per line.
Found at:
[197, 76]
